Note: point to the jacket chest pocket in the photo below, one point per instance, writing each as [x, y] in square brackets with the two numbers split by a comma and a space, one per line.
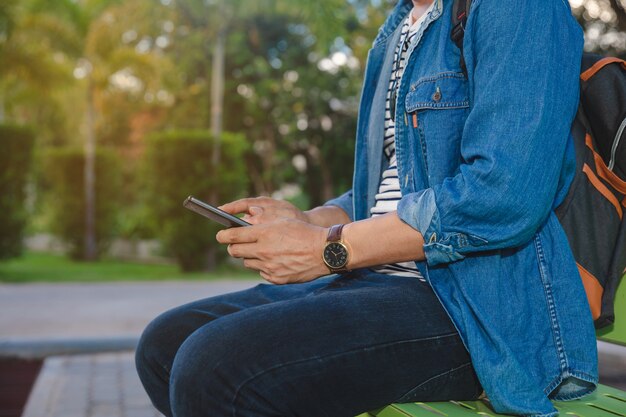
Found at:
[437, 107]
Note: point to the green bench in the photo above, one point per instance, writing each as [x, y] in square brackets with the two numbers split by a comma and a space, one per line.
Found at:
[604, 402]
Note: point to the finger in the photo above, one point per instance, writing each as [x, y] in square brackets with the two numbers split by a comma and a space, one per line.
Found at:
[237, 206]
[273, 279]
[267, 277]
[256, 210]
[254, 264]
[243, 250]
[246, 234]
[243, 205]
[255, 215]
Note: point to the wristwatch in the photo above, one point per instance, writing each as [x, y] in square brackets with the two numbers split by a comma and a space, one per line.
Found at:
[335, 254]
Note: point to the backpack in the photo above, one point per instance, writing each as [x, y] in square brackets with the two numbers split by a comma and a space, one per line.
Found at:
[592, 213]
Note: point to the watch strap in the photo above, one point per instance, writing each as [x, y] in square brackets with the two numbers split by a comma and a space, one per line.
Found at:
[334, 233]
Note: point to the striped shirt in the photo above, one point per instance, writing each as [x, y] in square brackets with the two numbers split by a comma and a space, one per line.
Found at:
[389, 189]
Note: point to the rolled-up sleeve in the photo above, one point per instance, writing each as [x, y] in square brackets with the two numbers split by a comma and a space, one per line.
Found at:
[523, 61]
[344, 202]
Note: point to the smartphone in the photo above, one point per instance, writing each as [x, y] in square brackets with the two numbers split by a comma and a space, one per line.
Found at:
[213, 213]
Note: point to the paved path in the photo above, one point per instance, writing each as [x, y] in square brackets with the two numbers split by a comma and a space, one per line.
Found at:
[99, 310]
[102, 385]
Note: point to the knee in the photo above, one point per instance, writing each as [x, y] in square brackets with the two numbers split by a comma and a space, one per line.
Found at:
[219, 370]
[197, 378]
[160, 341]
[154, 336]
[162, 338]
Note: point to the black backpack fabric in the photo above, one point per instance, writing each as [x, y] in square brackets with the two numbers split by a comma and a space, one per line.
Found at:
[592, 213]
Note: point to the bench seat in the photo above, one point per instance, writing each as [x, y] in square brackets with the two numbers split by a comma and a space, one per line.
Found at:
[604, 402]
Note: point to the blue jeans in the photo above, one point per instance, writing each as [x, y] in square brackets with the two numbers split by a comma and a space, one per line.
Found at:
[336, 346]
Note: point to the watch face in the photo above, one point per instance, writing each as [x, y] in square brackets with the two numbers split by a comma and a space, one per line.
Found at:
[335, 255]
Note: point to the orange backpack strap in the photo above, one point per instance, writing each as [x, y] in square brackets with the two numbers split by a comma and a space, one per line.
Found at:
[599, 65]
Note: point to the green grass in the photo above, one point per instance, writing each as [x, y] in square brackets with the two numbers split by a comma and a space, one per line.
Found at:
[41, 267]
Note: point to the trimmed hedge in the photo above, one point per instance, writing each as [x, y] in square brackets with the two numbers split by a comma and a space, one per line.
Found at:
[178, 164]
[64, 169]
[16, 152]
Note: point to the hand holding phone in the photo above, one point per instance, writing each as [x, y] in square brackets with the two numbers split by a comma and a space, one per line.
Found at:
[213, 213]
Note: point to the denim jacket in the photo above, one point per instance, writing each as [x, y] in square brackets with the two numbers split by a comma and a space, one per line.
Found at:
[482, 162]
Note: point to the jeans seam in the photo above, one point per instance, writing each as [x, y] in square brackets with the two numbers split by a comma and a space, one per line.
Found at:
[299, 361]
[444, 373]
[554, 320]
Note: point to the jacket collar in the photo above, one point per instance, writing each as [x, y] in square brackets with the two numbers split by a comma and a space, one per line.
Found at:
[397, 16]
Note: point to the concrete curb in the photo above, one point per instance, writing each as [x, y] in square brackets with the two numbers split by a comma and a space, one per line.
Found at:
[40, 348]
[44, 391]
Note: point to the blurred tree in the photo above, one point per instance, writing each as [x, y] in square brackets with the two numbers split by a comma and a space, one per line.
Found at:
[94, 40]
[273, 57]
[7, 20]
[604, 22]
[177, 163]
[67, 204]
[27, 65]
[620, 14]
[215, 20]
[297, 106]
[16, 150]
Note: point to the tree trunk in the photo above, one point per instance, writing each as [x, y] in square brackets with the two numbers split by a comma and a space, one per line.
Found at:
[217, 106]
[217, 94]
[91, 249]
[257, 180]
[327, 181]
[617, 7]
[2, 109]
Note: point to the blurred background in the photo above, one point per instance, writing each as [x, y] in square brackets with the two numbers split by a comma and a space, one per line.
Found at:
[113, 111]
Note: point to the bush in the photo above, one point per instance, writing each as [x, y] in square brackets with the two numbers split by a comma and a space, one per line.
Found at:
[178, 164]
[64, 169]
[16, 151]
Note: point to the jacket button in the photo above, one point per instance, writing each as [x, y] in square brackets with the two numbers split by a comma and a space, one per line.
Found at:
[437, 95]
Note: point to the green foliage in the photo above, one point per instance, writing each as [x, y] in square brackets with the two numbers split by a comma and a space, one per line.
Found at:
[16, 150]
[312, 112]
[64, 168]
[7, 19]
[178, 164]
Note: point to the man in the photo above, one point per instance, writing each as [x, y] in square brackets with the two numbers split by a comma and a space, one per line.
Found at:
[454, 275]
